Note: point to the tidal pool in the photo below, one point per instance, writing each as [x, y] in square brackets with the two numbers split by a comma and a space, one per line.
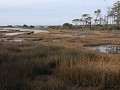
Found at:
[14, 39]
[24, 29]
[114, 49]
[17, 32]
[14, 33]
[56, 40]
[18, 40]
[39, 31]
[5, 39]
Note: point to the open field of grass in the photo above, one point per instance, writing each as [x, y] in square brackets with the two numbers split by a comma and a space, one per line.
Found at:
[58, 60]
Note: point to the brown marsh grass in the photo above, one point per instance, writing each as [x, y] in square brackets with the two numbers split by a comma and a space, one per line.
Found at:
[64, 65]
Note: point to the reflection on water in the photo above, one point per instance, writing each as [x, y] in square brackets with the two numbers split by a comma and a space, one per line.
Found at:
[18, 40]
[5, 39]
[3, 30]
[39, 31]
[14, 40]
[56, 40]
[17, 32]
[23, 29]
[14, 33]
[19, 29]
[107, 48]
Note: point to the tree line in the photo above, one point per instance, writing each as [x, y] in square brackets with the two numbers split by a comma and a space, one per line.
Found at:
[109, 21]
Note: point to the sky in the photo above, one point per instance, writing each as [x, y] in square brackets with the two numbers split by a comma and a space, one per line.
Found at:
[48, 12]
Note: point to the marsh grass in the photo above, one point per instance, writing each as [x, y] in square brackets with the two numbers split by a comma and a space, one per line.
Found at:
[22, 63]
[58, 66]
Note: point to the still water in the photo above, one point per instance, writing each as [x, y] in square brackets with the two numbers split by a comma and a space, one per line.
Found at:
[14, 39]
[14, 33]
[115, 49]
[17, 32]
[21, 31]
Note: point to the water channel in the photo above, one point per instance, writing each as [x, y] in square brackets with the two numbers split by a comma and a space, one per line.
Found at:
[115, 49]
[17, 31]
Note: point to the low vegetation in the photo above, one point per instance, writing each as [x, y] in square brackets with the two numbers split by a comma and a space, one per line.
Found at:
[51, 66]
[59, 59]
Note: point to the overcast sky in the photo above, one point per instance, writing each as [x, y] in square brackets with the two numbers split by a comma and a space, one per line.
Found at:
[48, 12]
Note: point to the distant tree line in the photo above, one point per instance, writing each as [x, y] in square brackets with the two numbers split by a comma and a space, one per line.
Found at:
[26, 26]
[110, 21]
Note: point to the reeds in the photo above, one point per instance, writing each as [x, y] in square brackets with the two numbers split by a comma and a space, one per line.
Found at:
[22, 64]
